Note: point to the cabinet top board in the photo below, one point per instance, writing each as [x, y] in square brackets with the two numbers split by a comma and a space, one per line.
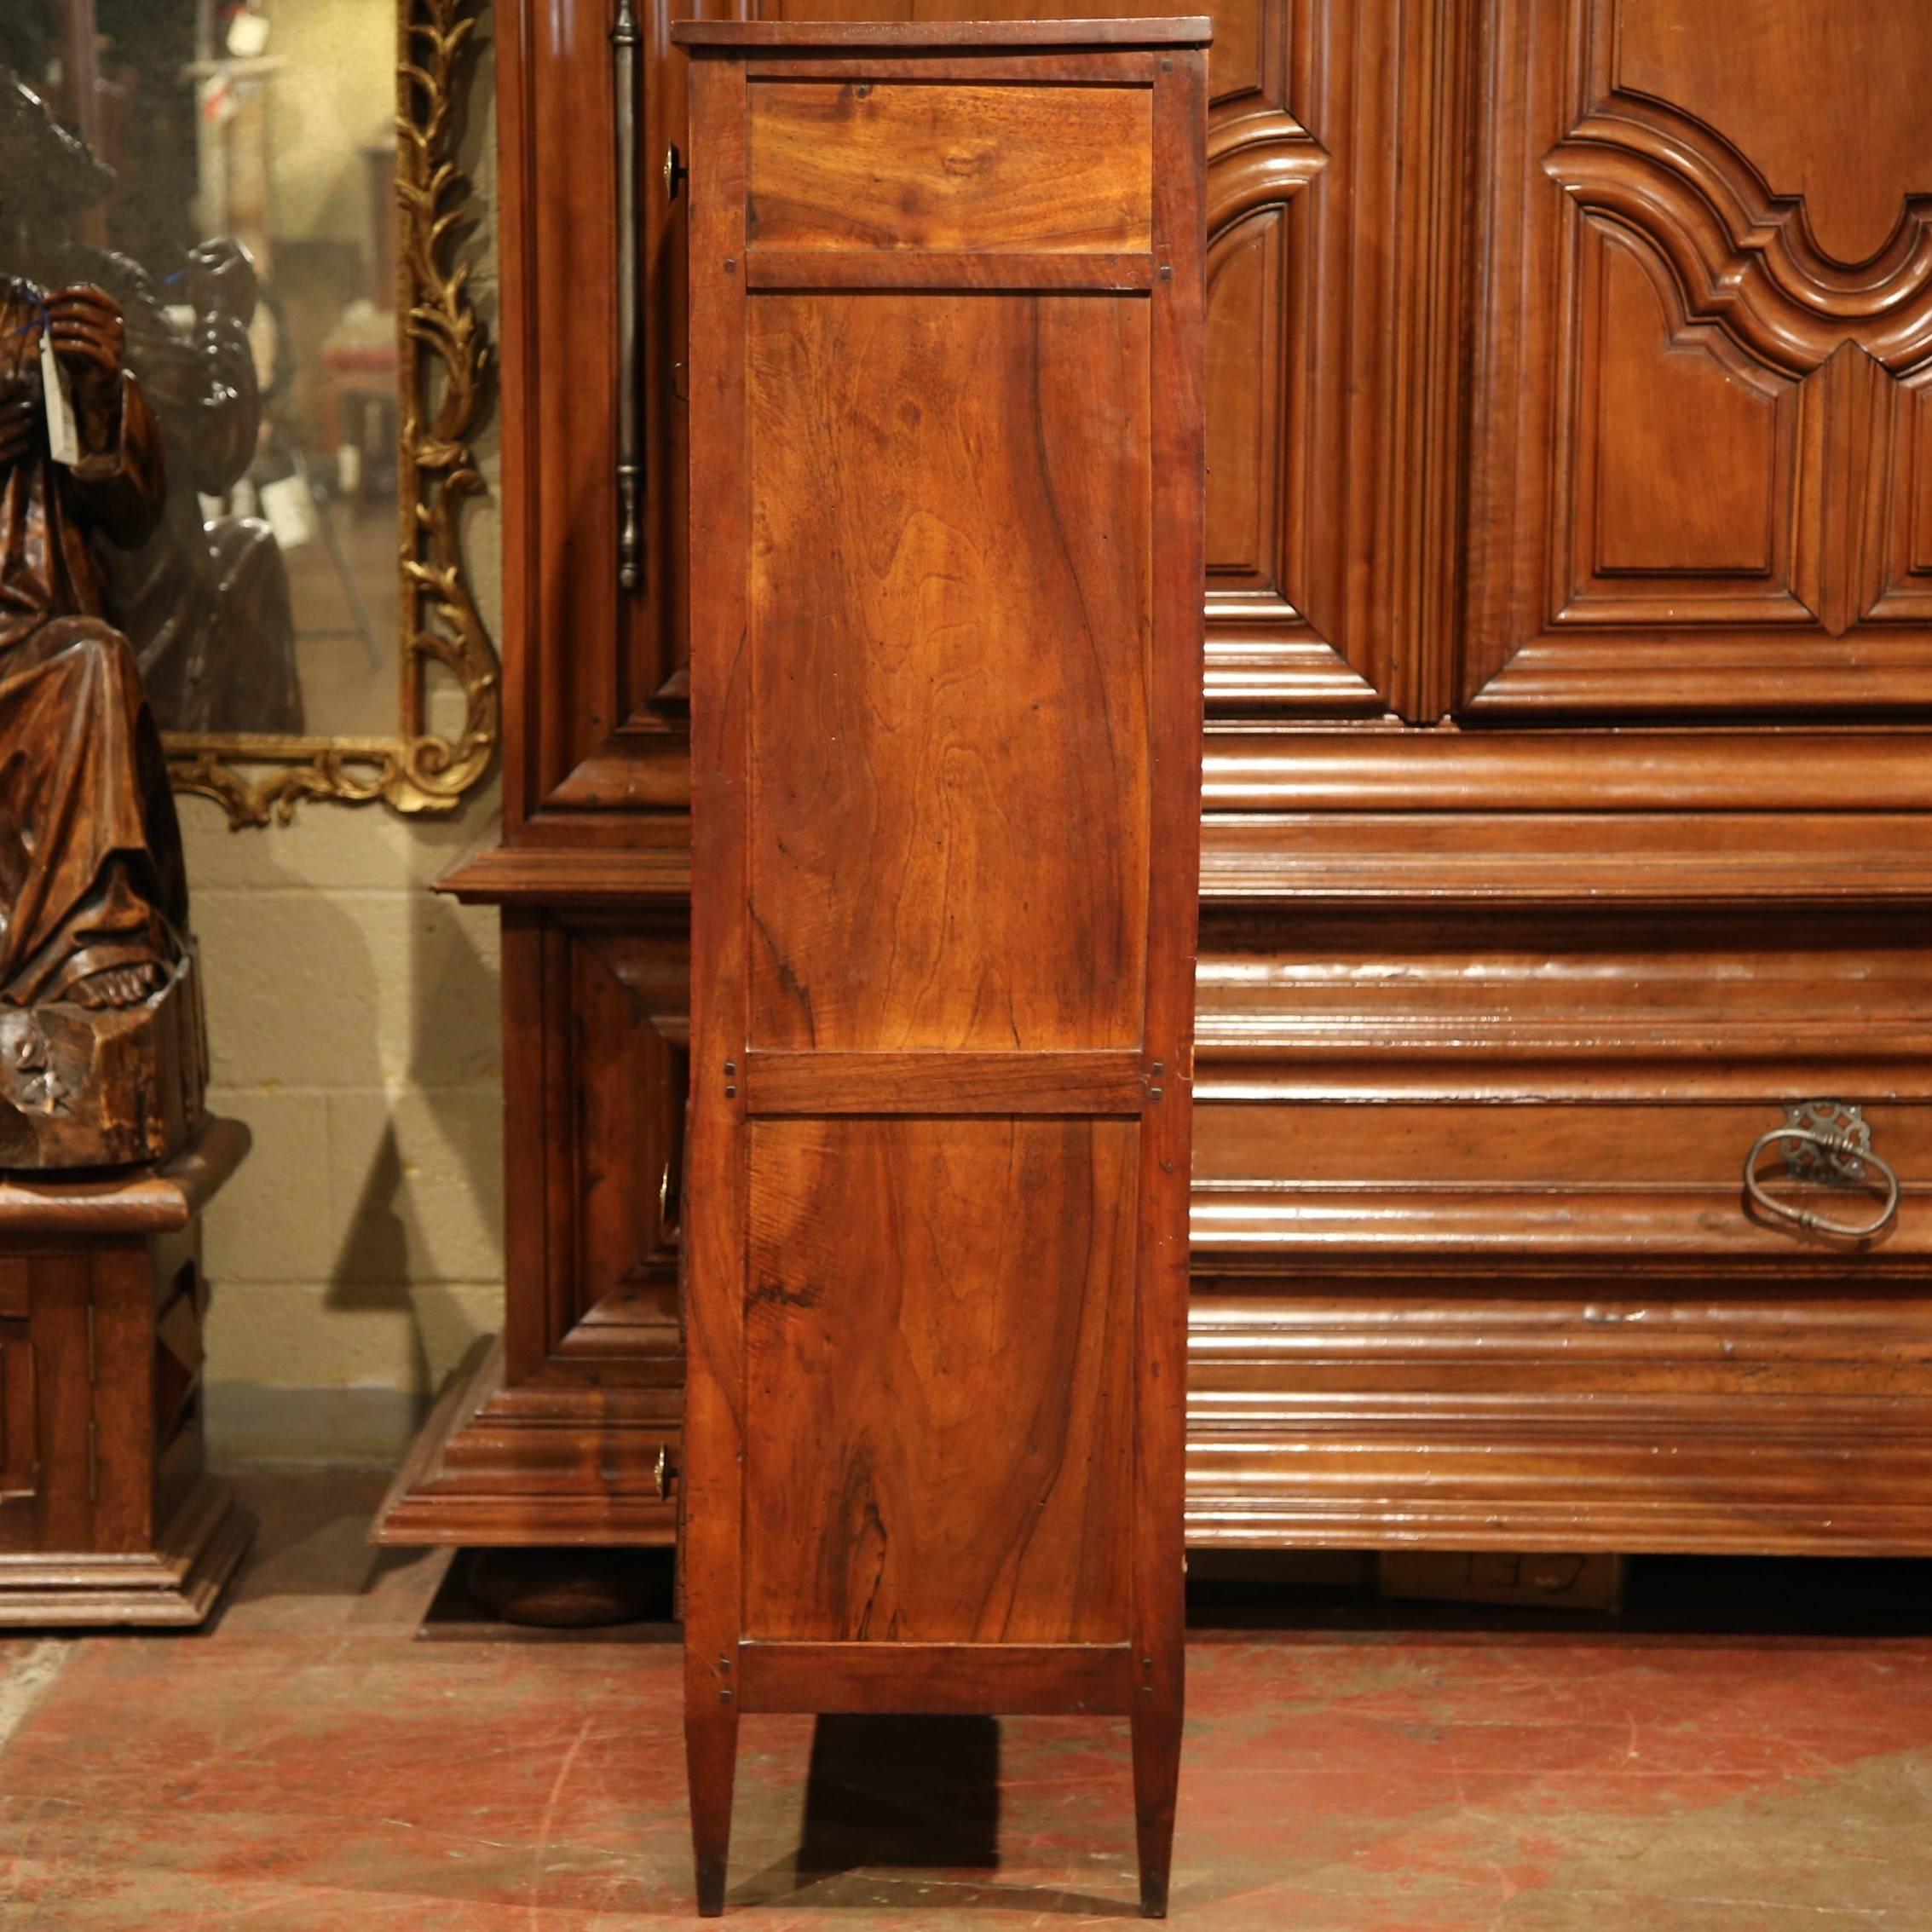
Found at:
[1194, 30]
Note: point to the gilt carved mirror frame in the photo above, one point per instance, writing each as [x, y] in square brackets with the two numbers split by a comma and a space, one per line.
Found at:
[443, 366]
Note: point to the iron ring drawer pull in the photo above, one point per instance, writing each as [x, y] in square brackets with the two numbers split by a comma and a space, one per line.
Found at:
[1835, 1146]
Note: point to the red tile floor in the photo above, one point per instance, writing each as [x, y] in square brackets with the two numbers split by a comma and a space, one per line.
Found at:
[307, 1765]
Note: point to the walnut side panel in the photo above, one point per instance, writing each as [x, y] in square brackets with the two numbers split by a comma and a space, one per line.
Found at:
[950, 595]
[939, 1334]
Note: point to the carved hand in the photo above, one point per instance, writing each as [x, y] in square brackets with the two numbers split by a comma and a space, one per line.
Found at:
[89, 336]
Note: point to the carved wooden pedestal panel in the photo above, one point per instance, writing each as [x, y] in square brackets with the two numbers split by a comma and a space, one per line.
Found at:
[107, 1515]
[1568, 777]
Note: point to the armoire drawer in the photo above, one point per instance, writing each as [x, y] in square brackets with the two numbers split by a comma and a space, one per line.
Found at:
[1521, 1085]
[1471, 1177]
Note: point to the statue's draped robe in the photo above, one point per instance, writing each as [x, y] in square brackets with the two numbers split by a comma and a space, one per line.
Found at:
[90, 869]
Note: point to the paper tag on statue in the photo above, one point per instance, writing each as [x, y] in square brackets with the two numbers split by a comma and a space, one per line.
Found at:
[63, 434]
[284, 503]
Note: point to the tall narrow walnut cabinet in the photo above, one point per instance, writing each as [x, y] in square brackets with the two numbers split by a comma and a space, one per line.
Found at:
[947, 526]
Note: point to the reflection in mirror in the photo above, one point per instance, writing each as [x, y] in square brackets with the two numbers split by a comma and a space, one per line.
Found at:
[225, 170]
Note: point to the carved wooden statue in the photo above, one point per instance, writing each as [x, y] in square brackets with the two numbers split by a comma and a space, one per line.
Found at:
[101, 1053]
[205, 603]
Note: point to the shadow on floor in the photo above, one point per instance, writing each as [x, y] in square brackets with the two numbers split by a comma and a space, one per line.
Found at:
[890, 1794]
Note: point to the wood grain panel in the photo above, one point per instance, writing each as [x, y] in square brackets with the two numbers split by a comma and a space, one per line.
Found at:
[1662, 402]
[949, 612]
[930, 779]
[64, 1399]
[1246, 291]
[894, 164]
[1334, 371]
[936, 1450]
[19, 1446]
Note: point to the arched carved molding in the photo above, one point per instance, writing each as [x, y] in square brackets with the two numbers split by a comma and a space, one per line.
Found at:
[1262, 160]
[1685, 329]
[1742, 258]
[1721, 170]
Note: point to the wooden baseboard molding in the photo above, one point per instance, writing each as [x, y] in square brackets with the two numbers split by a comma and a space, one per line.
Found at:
[549, 1463]
[1320, 1422]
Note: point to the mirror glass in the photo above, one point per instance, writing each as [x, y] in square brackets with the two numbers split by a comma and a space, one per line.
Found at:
[225, 170]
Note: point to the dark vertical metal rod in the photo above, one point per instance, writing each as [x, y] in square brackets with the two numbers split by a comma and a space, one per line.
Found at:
[624, 42]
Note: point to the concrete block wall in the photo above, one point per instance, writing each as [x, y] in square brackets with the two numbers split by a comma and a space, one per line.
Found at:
[352, 1023]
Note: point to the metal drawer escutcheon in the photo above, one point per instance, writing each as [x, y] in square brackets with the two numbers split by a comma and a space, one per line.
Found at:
[1827, 1142]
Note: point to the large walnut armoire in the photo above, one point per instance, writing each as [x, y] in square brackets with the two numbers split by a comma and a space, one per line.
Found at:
[1569, 779]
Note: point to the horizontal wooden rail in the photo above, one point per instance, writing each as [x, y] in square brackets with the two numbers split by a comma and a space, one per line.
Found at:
[944, 1679]
[1107, 1081]
[772, 269]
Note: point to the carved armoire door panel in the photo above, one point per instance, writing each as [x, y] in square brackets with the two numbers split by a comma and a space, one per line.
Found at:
[593, 702]
[628, 995]
[1329, 418]
[596, 1105]
[1701, 463]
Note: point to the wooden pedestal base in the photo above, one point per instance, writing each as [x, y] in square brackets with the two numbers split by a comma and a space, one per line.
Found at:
[107, 1513]
[176, 1584]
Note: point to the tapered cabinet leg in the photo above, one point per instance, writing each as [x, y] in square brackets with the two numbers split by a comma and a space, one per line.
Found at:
[711, 1754]
[1157, 1780]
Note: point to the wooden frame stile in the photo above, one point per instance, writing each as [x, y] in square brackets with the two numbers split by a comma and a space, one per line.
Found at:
[1080, 1608]
[713, 1254]
[1178, 317]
